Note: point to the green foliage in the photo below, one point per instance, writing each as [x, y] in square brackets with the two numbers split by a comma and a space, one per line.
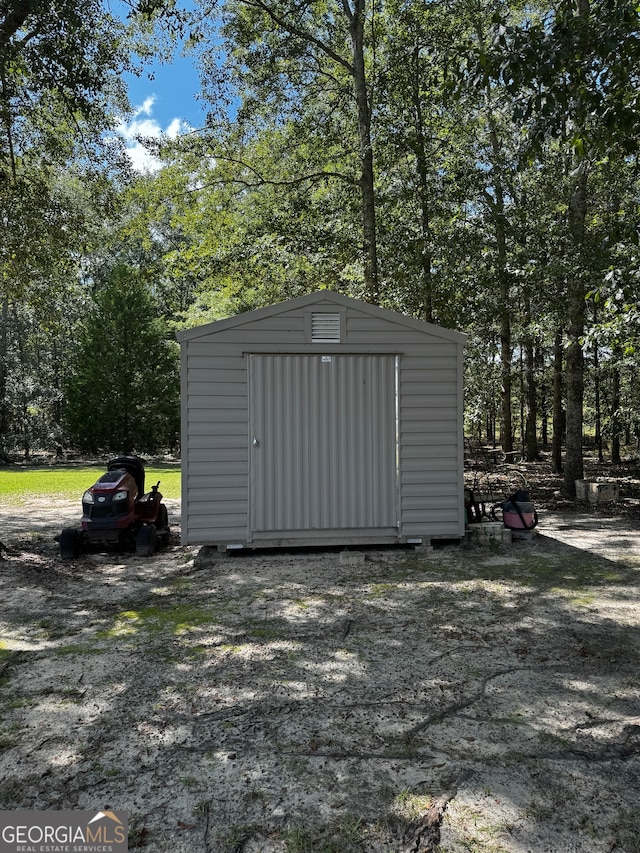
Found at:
[60, 83]
[505, 202]
[301, 80]
[573, 70]
[124, 390]
[60, 66]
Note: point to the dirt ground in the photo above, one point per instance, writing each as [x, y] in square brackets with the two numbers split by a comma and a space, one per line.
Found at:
[321, 701]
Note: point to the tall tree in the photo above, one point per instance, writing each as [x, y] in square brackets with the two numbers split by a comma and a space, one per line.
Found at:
[285, 59]
[124, 389]
[60, 84]
[574, 74]
[420, 156]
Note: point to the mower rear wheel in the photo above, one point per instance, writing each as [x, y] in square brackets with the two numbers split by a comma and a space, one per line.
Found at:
[146, 540]
[69, 544]
[162, 526]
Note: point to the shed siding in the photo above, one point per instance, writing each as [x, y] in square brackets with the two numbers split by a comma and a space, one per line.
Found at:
[215, 497]
[216, 416]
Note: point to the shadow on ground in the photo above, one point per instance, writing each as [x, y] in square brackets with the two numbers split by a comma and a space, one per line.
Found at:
[312, 702]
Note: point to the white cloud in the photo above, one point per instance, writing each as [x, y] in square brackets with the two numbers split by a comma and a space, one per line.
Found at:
[147, 106]
[142, 124]
[175, 128]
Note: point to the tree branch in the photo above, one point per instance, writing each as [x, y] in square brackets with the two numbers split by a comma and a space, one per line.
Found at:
[262, 181]
[347, 10]
[299, 33]
[14, 20]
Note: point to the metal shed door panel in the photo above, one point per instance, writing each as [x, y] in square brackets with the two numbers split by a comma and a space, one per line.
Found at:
[323, 442]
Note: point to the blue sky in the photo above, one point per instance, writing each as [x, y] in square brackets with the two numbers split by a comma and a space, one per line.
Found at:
[165, 104]
[173, 89]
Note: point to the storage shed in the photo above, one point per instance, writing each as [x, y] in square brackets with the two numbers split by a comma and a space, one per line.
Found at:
[321, 421]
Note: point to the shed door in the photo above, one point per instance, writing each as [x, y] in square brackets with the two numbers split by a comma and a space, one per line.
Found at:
[323, 434]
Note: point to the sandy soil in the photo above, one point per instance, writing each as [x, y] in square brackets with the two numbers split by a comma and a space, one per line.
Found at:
[321, 701]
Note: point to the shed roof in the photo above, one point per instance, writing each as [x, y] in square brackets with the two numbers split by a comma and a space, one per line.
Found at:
[326, 297]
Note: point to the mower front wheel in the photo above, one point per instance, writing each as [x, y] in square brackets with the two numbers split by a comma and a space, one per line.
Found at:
[146, 540]
[69, 544]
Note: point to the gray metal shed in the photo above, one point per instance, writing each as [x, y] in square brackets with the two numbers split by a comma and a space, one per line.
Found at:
[321, 421]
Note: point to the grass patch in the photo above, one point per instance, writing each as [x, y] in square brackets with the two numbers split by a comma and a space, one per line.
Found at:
[571, 569]
[79, 649]
[19, 485]
[379, 590]
[344, 836]
[272, 630]
[154, 620]
[8, 739]
[411, 806]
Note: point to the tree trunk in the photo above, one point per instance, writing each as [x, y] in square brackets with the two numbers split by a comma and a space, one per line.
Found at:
[4, 373]
[22, 8]
[504, 308]
[531, 437]
[367, 190]
[356, 68]
[615, 413]
[574, 466]
[497, 207]
[530, 429]
[422, 167]
[543, 399]
[558, 418]
[506, 425]
[598, 402]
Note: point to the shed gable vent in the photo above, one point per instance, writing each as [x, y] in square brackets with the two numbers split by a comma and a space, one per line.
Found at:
[325, 328]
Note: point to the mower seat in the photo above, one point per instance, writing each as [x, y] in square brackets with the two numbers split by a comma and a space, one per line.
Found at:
[132, 465]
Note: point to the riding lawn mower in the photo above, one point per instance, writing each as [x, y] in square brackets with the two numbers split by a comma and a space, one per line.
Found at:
[117, 512]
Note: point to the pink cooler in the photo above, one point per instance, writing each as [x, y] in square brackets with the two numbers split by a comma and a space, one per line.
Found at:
[513, 520]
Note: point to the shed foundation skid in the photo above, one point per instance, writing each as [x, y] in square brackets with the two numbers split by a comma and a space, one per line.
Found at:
[488, 532]
[310, 541]
[524, 535]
